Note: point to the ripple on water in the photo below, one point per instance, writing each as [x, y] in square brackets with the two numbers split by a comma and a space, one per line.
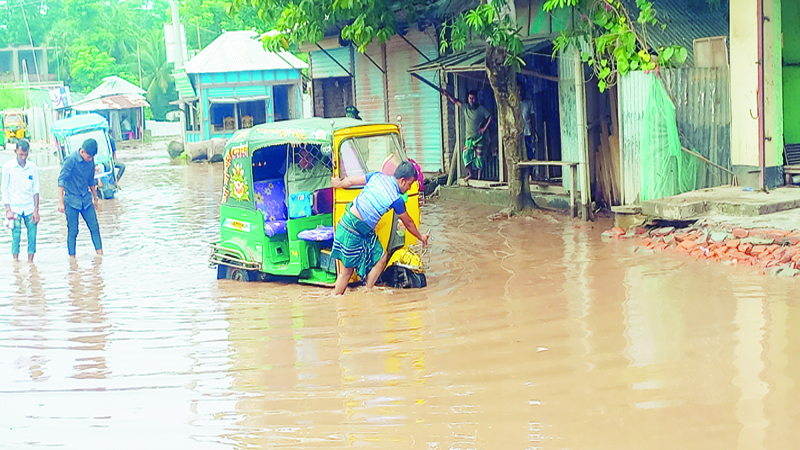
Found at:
[532, 333]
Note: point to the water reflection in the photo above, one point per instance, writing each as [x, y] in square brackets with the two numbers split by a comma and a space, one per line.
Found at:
[532, 334]
[88, 315]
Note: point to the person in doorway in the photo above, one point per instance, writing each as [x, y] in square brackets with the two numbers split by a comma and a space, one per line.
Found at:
[352, 112]
[77, 195]
[476, 121]
[20, 189]
[118, 166]
[355, 243]
[126, 127]
[529, 126]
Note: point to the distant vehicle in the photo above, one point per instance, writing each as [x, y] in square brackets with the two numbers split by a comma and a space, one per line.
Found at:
[15, 127]
[70, 133]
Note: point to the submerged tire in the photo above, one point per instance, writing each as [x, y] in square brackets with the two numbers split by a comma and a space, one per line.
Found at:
[400, 277]
[240, 275]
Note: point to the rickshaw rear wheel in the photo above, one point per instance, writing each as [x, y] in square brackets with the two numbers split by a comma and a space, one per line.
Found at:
[240, 275]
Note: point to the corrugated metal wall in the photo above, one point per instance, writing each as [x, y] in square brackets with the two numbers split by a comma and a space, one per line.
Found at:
[703, 111]
[369, 84]
[568, 112]
[634, 89]
[323, 67]
[418, 104]
[702, 108]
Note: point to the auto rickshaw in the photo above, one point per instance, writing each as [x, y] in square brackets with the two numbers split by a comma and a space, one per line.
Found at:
[14, 126]
[70, 133]
[279, 211]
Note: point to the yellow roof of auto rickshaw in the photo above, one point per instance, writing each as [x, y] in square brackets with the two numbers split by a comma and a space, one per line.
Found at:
[299, 131]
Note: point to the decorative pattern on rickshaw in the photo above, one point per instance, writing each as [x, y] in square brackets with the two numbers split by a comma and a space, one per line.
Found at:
[270, 196]
[238, 184]
[234, 153]
[298, 133]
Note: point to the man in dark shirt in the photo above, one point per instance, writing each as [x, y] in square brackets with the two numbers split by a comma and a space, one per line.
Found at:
[77, 194]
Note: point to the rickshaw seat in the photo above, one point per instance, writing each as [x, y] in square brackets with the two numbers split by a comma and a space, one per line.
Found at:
[319, 234]
[275, 228]
[270, 199]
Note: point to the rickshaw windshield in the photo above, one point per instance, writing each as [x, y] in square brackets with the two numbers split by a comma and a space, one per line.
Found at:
[75, 141]
[364, 154]
[13, 119]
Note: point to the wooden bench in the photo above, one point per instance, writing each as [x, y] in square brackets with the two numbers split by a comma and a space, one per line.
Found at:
[788, 171]
[527, 165]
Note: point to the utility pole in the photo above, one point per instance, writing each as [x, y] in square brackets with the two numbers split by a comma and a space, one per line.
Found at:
[139, 59]
[176, 33]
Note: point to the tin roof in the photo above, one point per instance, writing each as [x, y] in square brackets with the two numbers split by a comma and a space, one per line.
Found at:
[686, 20]
[122, 101]
[114, 85]
[239, 51]
[474, 58]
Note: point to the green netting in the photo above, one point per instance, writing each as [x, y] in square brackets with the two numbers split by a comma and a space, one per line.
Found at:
[665, 169]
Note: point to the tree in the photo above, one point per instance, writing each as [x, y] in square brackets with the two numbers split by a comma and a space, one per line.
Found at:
[364, 21]
[208, 19]
[90, 66]
[157, 77]
[618, 45]
[11, 97]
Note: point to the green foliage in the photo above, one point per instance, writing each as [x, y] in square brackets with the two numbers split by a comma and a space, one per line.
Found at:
[90, 66]
[11, 97]
[617, 46]
[361, 21]
[207, 19]
[95, 39]
[490, 21]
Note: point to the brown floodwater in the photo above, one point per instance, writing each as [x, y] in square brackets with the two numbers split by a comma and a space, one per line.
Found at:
[532, 333]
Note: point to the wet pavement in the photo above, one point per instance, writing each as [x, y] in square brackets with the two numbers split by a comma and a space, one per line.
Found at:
[532, 333]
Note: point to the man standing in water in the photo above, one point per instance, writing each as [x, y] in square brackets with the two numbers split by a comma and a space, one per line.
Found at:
[20, 187]
[476, 121]
[355, 243]
[77, 195]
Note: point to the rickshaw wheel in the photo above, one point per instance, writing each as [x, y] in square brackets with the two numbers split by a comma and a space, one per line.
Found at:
[400, 277]
[239, 275]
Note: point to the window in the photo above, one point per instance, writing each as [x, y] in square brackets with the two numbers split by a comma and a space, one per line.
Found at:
[222, 116]
[362, 155]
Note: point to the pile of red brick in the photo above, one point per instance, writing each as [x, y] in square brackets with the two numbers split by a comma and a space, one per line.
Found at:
[767, 250]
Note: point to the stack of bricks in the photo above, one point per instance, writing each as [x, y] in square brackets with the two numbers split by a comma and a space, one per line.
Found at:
[774, 251]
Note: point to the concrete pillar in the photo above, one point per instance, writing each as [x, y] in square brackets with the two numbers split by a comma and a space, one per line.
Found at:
[744, 83]
[43, 69]
[15, 64]
[744, 88]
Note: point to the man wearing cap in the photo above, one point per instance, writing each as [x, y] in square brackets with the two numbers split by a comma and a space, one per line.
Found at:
[77, 195]
[352, 112]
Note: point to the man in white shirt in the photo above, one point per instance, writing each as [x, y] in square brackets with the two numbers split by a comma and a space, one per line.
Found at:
[20, 189]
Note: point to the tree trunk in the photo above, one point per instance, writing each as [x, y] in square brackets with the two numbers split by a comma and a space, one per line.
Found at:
[503, 79]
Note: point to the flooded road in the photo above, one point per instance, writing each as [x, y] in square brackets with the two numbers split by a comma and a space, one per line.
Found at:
[532, 333]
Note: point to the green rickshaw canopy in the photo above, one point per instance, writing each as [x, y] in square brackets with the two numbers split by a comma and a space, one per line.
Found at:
[315, 130]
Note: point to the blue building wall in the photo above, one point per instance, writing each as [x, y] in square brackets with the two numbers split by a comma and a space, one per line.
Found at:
[238, 84]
